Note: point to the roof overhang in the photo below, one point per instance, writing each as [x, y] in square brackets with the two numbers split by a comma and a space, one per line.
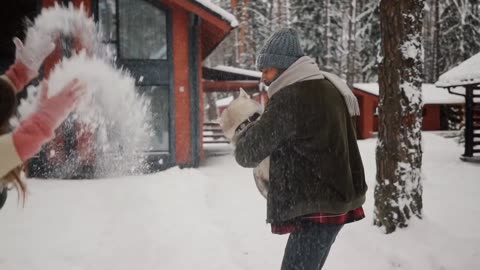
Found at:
[214, 27]
[465, 74]
[229, 79]
[224, 73]
[432, 95]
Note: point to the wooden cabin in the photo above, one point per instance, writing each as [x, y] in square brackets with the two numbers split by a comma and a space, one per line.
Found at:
[163, 43]
[464, 81]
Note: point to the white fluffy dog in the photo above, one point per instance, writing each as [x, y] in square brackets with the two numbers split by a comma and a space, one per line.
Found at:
[235, 118]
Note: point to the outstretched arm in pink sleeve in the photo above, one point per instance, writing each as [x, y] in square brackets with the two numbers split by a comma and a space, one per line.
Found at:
[39, 128]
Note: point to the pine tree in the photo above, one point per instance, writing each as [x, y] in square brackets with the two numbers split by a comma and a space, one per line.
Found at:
[398, 192]
[339, 43]
[455, 117]
[320, 24]
[460, 32]
[352, 43]
[239, 49]
[430, 40]
[241, 46]
[305, 14]
[368, 40]
[435, 45]
[280, 14]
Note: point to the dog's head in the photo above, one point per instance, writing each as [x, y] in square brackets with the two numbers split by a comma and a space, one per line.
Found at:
[238, 112]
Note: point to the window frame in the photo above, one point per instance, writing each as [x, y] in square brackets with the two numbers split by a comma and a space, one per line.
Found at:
[155, 72]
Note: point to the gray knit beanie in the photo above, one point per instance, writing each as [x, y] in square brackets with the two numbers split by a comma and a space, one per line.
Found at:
[281, 50]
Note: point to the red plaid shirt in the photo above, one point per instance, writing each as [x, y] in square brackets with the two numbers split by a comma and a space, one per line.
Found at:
[290, 227]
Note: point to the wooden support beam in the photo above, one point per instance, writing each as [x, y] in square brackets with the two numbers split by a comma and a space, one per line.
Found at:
[229, 86]
[469, 123]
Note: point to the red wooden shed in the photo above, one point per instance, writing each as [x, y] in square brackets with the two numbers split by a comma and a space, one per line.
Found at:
[433, 98]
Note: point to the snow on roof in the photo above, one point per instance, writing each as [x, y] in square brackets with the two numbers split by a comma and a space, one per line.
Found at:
[224, 101]
[220, 11]
[241, 71]
[466, 73]
[431, 94]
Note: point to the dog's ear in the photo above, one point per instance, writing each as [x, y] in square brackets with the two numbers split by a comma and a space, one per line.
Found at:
[243, 94]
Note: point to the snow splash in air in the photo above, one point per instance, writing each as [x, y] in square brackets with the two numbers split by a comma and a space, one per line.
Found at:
[68, 21]
[113, 117]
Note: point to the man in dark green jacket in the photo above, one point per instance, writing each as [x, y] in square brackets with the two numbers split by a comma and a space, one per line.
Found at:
[317, 181]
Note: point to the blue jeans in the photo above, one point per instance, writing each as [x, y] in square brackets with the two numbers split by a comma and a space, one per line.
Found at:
[307, 248]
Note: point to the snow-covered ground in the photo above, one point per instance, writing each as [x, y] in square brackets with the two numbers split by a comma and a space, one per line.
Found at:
[213, 218]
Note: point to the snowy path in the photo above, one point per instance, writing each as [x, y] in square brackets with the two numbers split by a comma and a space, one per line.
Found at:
[213, 218]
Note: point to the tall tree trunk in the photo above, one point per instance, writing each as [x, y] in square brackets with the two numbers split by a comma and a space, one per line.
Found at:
[475, 6]
[436, 48]
[288, 14]
[398, 192]
[281, 13]
[244, 50]
[352, 29]
[428, 44]
[271, 15]
[328, 57]
[234, 4]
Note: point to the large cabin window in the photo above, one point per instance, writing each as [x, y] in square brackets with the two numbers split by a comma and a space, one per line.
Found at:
[138, 33]
[142, 30]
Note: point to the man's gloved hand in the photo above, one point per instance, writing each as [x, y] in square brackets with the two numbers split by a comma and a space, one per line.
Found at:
[240, 133]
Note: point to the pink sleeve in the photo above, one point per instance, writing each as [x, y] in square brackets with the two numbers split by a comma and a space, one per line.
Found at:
[31, 135]
[20, 75]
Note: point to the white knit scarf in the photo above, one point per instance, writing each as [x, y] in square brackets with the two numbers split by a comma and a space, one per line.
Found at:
[305, 69]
